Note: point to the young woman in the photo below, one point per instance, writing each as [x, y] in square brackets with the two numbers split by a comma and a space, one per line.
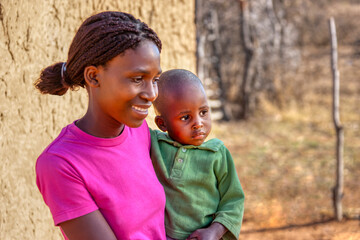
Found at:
[96, 176]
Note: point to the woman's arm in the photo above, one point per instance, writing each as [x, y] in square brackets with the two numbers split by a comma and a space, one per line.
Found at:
[92, 226]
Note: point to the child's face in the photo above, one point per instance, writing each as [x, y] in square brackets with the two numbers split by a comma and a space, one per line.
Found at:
[187, 119]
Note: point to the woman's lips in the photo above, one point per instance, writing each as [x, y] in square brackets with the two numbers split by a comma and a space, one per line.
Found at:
[141, 110]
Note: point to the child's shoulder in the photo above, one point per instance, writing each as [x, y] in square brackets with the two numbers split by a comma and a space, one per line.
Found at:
[159, 136]
[213, 144]
[214, 141]
[157, 133]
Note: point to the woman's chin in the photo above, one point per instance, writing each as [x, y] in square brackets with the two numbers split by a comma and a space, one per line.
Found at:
[135, 124]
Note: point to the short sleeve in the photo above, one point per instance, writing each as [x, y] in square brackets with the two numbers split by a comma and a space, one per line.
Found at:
[62, 188]
[231, 207]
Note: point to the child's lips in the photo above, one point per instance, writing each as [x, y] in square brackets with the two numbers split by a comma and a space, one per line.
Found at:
[198, 135]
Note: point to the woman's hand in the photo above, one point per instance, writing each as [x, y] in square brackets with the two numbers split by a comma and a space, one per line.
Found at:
[92, 226]
[214, 232]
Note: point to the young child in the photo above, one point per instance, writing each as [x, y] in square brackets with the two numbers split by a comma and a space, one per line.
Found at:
[204, 198]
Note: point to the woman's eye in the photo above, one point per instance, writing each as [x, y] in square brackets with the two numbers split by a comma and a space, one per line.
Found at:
[155, 80]
[184, 118]
[137, 79]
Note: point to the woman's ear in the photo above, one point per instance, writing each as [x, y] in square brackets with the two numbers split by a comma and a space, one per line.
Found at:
[90, 76]
[160, 123]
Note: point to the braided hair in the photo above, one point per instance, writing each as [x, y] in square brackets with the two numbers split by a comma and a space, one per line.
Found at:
[100, 38]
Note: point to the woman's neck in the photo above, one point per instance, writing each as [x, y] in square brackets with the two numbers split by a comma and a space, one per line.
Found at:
[99, 128]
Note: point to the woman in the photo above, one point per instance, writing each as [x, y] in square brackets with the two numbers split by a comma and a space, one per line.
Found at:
[96, 176]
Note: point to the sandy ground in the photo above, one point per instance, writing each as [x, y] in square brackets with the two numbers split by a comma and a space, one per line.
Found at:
[326, 230]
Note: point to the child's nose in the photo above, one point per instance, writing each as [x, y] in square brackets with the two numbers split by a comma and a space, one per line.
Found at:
[197, 124]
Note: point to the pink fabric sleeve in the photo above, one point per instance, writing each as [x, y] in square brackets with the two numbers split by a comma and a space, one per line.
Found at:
[62, 188]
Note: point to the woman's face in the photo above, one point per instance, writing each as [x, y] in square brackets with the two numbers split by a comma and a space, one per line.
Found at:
[128, 85]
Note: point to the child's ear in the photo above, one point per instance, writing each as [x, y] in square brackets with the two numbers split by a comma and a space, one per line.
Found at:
[160, 123]
[90, 76]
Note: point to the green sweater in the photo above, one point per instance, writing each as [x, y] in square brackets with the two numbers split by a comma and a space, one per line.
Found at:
[201, 186]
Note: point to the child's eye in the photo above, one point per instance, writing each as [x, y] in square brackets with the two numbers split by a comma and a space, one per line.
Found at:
[203, 113]
[184, 118]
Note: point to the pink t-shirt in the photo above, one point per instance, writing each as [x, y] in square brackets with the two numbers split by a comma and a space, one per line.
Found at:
[79, 173]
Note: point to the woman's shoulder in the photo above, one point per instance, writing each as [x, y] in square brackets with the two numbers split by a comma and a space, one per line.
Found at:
[54, 145]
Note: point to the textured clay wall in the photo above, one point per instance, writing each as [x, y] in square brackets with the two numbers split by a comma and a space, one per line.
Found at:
[35, 34]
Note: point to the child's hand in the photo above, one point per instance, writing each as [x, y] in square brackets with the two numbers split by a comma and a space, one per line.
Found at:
[214, 232]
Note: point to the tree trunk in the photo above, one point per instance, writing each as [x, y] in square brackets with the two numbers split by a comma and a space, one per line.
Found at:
[209, 59]
[338, 189]
[217, 65]
[246, 90]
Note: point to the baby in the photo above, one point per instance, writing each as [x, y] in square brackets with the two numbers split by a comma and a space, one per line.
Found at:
[204, 197]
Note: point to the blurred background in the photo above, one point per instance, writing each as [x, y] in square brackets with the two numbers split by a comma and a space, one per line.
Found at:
[266, 68]
[266, 65]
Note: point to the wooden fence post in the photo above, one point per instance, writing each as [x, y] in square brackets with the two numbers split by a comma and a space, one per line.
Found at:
[339, 186]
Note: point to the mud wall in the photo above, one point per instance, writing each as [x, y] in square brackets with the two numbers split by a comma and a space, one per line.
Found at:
[33, 35]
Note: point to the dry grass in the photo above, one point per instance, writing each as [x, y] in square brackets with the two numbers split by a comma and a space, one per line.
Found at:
[286, 161]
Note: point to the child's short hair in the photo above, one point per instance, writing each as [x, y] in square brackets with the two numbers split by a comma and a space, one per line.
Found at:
[171, 81]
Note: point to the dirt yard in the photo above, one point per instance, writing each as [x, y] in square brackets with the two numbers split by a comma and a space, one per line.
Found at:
[326, 230]
[286, 161]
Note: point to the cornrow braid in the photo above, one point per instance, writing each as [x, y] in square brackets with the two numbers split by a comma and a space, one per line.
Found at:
[99, 39]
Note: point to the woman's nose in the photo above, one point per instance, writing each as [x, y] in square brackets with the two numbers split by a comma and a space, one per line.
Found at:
[150, 92]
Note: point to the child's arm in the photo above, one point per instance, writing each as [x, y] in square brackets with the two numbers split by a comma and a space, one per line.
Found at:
[214, 232]
[231, 206]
